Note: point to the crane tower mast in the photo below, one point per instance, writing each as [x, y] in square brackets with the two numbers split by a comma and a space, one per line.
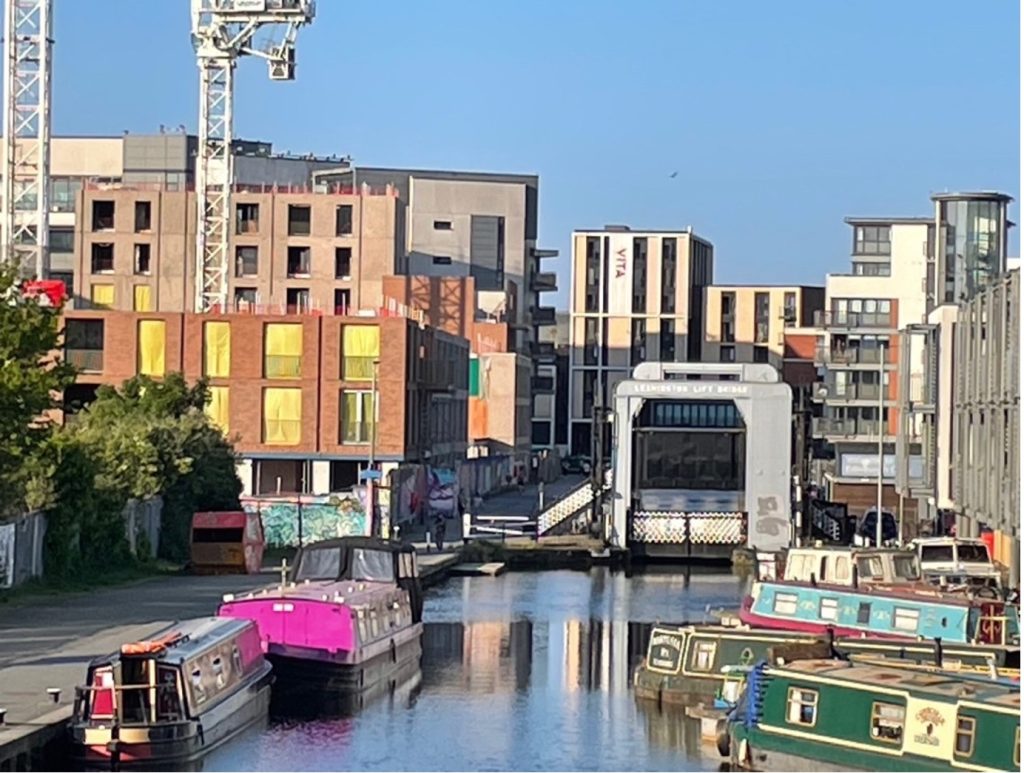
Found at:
[222, 32]
[28, 44]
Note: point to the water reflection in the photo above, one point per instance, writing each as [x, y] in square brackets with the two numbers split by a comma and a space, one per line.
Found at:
[519, 672]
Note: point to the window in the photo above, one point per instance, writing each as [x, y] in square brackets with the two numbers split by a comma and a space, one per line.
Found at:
[342, 301]
[299, 219]
[442, 260]
[905, 619]
[62, 240]
[801, 706]
[298, 261]
[197, 686]
[358, 419]
[282, 346]
[829, 609]
[728, 304]
[143, 216]
[343, 220]
[727, 354]
[864, 613]
[442, 225]
[887, 722]
[247, 218]
[297, 300]
[964, 736]
[103, 216]
[360, 348]
[83, 344]
[872, 269]
[244, 298]
[785, 604]
[102, 296]
[217, 408]
[762, 311]
[142, 298]
[760, 354]
[63, 193]
[639, 275]
[668, 276]
[152, 344]
[342, 262]
[282, 416]
[217, 349]
[703, 656]
[638, 350]
[668, 340]
[842, 569]
[102, 258]
[247, 261]
[593, 274]
[141, 259]
[871, 240]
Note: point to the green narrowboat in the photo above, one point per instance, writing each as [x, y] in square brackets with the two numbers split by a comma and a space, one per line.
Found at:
[691, 664]
[831, 715]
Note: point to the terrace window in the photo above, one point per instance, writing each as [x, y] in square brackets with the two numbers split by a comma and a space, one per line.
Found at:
[244, 298]
[801, 706]
[343, 220]
[247, 218]
[143, 216]
[342, 301]
[297, 300]
[142, 253]
[872, 240]
[298, 261]
[299, 220]
[247, 261]
[103, 216]
[342, 262]
[102, 258]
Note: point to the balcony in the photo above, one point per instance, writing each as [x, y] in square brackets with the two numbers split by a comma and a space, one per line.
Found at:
[849, 392]
[851, 356]
[544, 282]
[543, 315]
[87, 360]
[854, 320]
[542, 384]
[845, 428]
[540, 254]
[543, 350]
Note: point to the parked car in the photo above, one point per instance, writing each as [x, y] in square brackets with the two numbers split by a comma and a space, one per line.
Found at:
[865, 534]
[576, 465]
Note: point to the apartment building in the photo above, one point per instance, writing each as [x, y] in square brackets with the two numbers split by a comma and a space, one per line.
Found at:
[879, 347]
[166, 159]
[308, 399]
[636, 296]
[135, 247]
[746, 323]
[551, 411]
[472, 224]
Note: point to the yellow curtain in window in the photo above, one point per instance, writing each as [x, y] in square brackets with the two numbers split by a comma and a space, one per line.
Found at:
[282, 350]
[217, 408]
[152, 343]
[282, 416]
[143, 300]
[217, 349]
[360, 347]
[102, 296]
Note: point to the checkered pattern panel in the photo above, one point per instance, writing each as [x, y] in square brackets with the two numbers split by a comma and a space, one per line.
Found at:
[658, 527]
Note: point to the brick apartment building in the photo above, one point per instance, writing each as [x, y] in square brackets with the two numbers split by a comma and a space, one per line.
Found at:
[296, 392]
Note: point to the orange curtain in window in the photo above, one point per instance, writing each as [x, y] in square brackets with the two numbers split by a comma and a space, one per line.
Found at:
[152, 346]
[217, 349]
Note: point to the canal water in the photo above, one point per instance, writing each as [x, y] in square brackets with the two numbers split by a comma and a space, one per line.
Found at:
[526, 671]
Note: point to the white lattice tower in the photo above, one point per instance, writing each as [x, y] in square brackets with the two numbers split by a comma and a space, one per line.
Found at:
[223, 31]
[28, 43]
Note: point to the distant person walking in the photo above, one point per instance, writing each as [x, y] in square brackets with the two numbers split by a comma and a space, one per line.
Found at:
[467, 525]
[439, 528]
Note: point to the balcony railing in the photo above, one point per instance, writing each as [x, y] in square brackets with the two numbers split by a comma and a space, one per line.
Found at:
[282, 366]
[90, 360]
[357, 368]
[854, 319]
[826, 426]
[543, 315]
[851, 355]
[545, 281]
[852, 391]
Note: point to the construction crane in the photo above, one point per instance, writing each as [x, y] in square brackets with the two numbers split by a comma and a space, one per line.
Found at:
[28, 44]
[223, 31]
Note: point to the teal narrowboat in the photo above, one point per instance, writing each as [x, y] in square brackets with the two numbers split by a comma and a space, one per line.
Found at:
[829, 715]
[691, 664]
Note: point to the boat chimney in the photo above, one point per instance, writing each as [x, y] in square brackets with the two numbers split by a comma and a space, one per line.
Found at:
[3, 717]
[856, 576]
[938, 651]
[54, 693]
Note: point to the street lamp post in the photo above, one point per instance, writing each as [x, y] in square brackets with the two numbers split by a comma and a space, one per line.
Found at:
[371, 498]
[881, 444]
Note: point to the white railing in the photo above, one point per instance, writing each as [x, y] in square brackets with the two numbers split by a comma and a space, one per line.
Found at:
[568, 506]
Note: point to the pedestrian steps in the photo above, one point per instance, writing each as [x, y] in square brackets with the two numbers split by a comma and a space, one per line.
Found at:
[560, 517]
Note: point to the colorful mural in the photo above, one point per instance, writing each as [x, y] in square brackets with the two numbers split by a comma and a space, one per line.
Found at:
[314, 517]
[442, 492]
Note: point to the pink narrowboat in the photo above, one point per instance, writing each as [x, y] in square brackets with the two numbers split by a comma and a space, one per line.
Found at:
[349, 617]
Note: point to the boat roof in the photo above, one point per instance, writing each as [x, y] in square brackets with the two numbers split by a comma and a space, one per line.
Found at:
[948, 541]
[196, 635]
[948, 685]
[848, 549]
[366, 543]
[921, 592]
[350, 592]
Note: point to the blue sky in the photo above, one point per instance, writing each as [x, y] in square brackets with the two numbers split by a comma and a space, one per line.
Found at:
[780, 118]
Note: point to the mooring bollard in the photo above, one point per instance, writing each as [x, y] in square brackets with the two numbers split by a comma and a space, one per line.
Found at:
[54, 693]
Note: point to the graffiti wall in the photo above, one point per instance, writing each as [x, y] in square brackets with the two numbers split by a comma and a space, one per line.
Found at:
[299, 519]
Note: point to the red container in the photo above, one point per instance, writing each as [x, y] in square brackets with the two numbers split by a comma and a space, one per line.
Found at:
[989, 538]
[227, 542]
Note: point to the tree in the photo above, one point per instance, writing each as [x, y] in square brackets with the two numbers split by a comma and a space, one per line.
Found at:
[32, 378]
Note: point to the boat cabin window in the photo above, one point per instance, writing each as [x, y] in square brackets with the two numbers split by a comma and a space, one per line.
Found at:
[785, 603]
[168, 702]
[801, 706]
[905, 567]
[236, 659]
[964, 736]
[887, 722]
[218, 672]
[828, 609]
[972, 553]
[373, 565]
[864, 613]
[842, 569]
[319, 564]
[936, 554]
[703, 656]
[870, 566]
[905, 619]
[197, 686]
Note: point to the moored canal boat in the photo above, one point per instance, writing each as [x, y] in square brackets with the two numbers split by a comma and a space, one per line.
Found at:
[828, 715]
[169, 701]
[349, 618]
